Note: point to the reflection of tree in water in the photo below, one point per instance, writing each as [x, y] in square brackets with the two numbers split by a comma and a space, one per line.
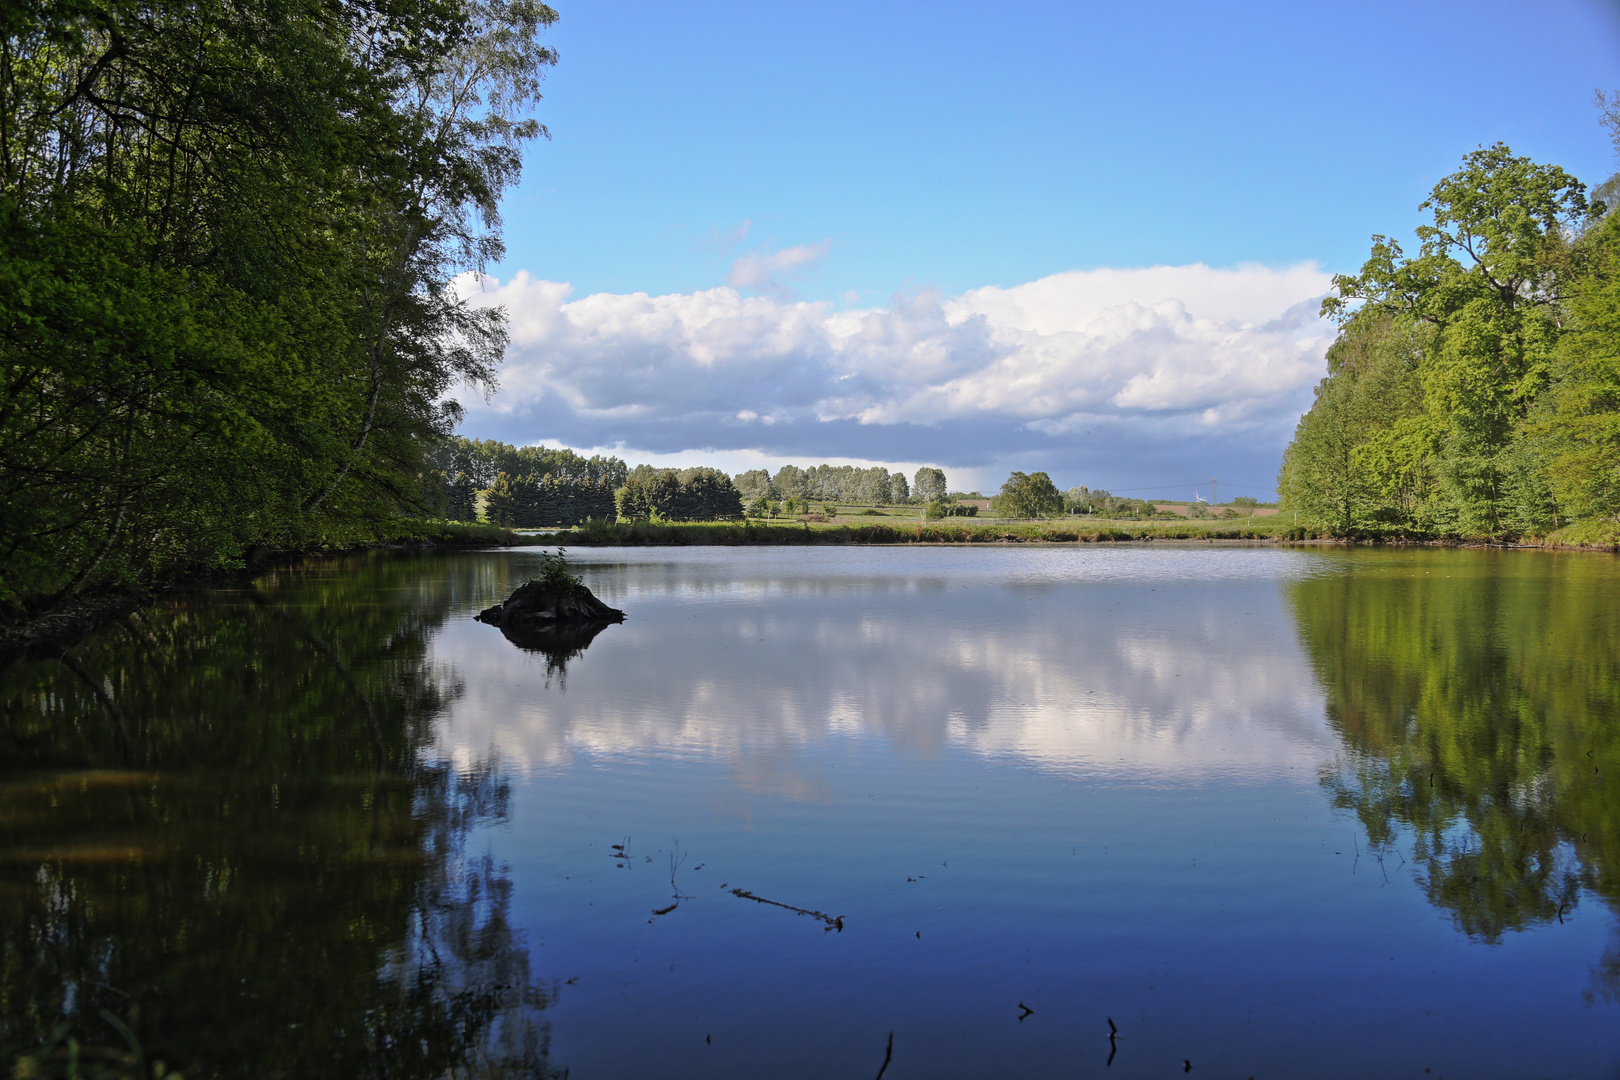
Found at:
[558, 644]
[235, 875]
[1481, 712]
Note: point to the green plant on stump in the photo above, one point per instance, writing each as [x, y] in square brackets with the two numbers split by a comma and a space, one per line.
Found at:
[554, 576]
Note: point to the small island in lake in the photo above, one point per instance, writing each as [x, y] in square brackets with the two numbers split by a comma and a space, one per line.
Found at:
[554, 611]
[539, 605]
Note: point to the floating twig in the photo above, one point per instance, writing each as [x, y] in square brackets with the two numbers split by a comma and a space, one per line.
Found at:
[888, 1055]
[834, 922]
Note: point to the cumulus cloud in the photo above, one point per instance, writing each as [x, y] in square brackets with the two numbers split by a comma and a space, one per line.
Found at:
[768, 272]
[1079, 366]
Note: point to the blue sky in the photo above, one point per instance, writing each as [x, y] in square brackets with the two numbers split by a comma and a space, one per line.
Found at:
[813, 201]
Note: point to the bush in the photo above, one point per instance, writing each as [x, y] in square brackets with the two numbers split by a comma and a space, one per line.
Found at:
[554, 576]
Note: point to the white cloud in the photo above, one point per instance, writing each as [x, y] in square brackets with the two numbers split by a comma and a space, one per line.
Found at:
[1117, 355]
[767, 272]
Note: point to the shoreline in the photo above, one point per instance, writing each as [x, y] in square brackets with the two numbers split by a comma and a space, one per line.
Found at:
[747, 534]
[61, 624]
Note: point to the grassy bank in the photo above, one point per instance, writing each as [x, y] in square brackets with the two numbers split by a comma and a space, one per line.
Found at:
[1602, 534]
[962, 531]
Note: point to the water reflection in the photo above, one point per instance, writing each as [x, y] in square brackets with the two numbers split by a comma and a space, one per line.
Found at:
[216, 830]
[1074, 663]
[1477, 695]
[558, 644]
[231, 823]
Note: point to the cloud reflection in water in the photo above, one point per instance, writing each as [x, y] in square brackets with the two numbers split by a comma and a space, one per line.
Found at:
[1051, 658]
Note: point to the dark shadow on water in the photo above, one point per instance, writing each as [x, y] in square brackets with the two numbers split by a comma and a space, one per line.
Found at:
[220, 840]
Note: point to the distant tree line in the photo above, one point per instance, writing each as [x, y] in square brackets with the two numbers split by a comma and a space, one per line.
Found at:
[698, 494]
[484, 459]
[538, 487]
[842, 484]
[1474, 388]
[520, 487]
[531, 502]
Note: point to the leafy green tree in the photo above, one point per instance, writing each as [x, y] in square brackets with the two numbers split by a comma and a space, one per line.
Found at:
[754, 484]
[1031, 495]
[790, 482]
[482, 459]
[1482, 301]
[227, 237]
[928, 485]
[1578, 432]
[698, 494]
[1360, 457]
[630, 502]
[899, 490]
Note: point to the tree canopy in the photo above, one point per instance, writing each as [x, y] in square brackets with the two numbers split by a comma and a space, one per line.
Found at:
[1031, 495]
[1468, 391]
[228, 242]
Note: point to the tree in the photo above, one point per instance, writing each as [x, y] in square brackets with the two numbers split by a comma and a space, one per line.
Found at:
[790, 482]
[899, 490]
[928, 485]
[1482, 300]
[227, 240]
[754, 484]
[699, 494]
[462, 504]
[1029, 496]
[1362, 456]
[499, 502]
[1578, 432]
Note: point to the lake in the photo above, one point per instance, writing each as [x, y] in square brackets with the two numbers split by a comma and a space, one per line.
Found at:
[1122, 810]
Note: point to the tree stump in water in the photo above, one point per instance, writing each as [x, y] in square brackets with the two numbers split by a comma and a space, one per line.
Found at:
[537, 607]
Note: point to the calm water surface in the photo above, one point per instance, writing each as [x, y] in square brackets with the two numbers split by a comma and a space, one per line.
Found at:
[1273, 813]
